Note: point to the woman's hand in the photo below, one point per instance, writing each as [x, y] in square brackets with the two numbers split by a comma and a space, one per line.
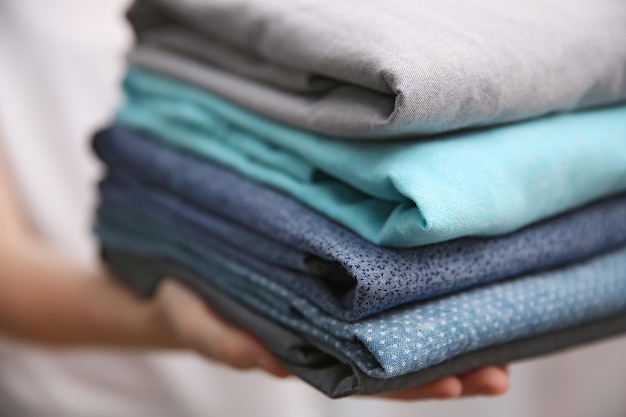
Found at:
[195, 326]
[491, 380]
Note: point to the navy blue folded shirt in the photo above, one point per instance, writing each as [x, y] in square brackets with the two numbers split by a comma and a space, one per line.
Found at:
[344, 275]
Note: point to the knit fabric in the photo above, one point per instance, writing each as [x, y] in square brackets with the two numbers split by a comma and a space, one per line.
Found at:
[342, 274]
[415, 336]
[363, 68]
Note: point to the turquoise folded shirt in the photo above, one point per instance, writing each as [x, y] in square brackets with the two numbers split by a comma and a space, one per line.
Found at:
[405, 193]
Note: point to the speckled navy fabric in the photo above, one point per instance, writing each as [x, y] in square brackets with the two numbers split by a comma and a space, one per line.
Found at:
[411, 337]
[342, 274]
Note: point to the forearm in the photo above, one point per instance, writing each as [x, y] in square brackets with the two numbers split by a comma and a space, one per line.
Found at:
[47, 299]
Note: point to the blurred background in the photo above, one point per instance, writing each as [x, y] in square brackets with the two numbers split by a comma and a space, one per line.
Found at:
[60, 65]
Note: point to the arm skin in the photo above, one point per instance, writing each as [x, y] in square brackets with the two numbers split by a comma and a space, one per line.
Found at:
[47, 299]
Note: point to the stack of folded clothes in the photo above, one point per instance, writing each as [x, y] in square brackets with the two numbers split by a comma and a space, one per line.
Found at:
[384, 193]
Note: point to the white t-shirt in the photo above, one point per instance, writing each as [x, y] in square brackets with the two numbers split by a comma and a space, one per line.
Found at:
[60, 64]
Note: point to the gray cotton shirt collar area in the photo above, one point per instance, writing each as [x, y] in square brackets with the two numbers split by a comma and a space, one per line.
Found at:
[374, 69]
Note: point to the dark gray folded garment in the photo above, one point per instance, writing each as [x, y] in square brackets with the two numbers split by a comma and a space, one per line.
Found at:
[373, 68]
[320, 365]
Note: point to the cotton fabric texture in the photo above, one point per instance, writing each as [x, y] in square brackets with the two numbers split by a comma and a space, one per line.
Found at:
[372, 68]
[411, 337]
[406, 193]
[343, 275]
[320, 365]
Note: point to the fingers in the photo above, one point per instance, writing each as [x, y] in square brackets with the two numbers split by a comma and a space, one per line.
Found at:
[445, 388]
[198, 328]
[491, 380]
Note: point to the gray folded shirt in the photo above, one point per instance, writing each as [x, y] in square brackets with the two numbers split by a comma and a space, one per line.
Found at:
[373, 68]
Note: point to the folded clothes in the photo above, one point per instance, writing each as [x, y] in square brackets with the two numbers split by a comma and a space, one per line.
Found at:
[371, 68]
[322, 366]
[403, 193]
[411, 337]
[342, 274]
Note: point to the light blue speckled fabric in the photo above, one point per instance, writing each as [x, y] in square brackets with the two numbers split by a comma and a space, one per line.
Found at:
[344, 275]
[407, 193]
[415, 336]
[320, 364]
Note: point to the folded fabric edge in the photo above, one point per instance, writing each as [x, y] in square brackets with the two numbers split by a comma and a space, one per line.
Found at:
[373, 125]
[345, 289]
[118, 169]
[321, 366]
[389, 210]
